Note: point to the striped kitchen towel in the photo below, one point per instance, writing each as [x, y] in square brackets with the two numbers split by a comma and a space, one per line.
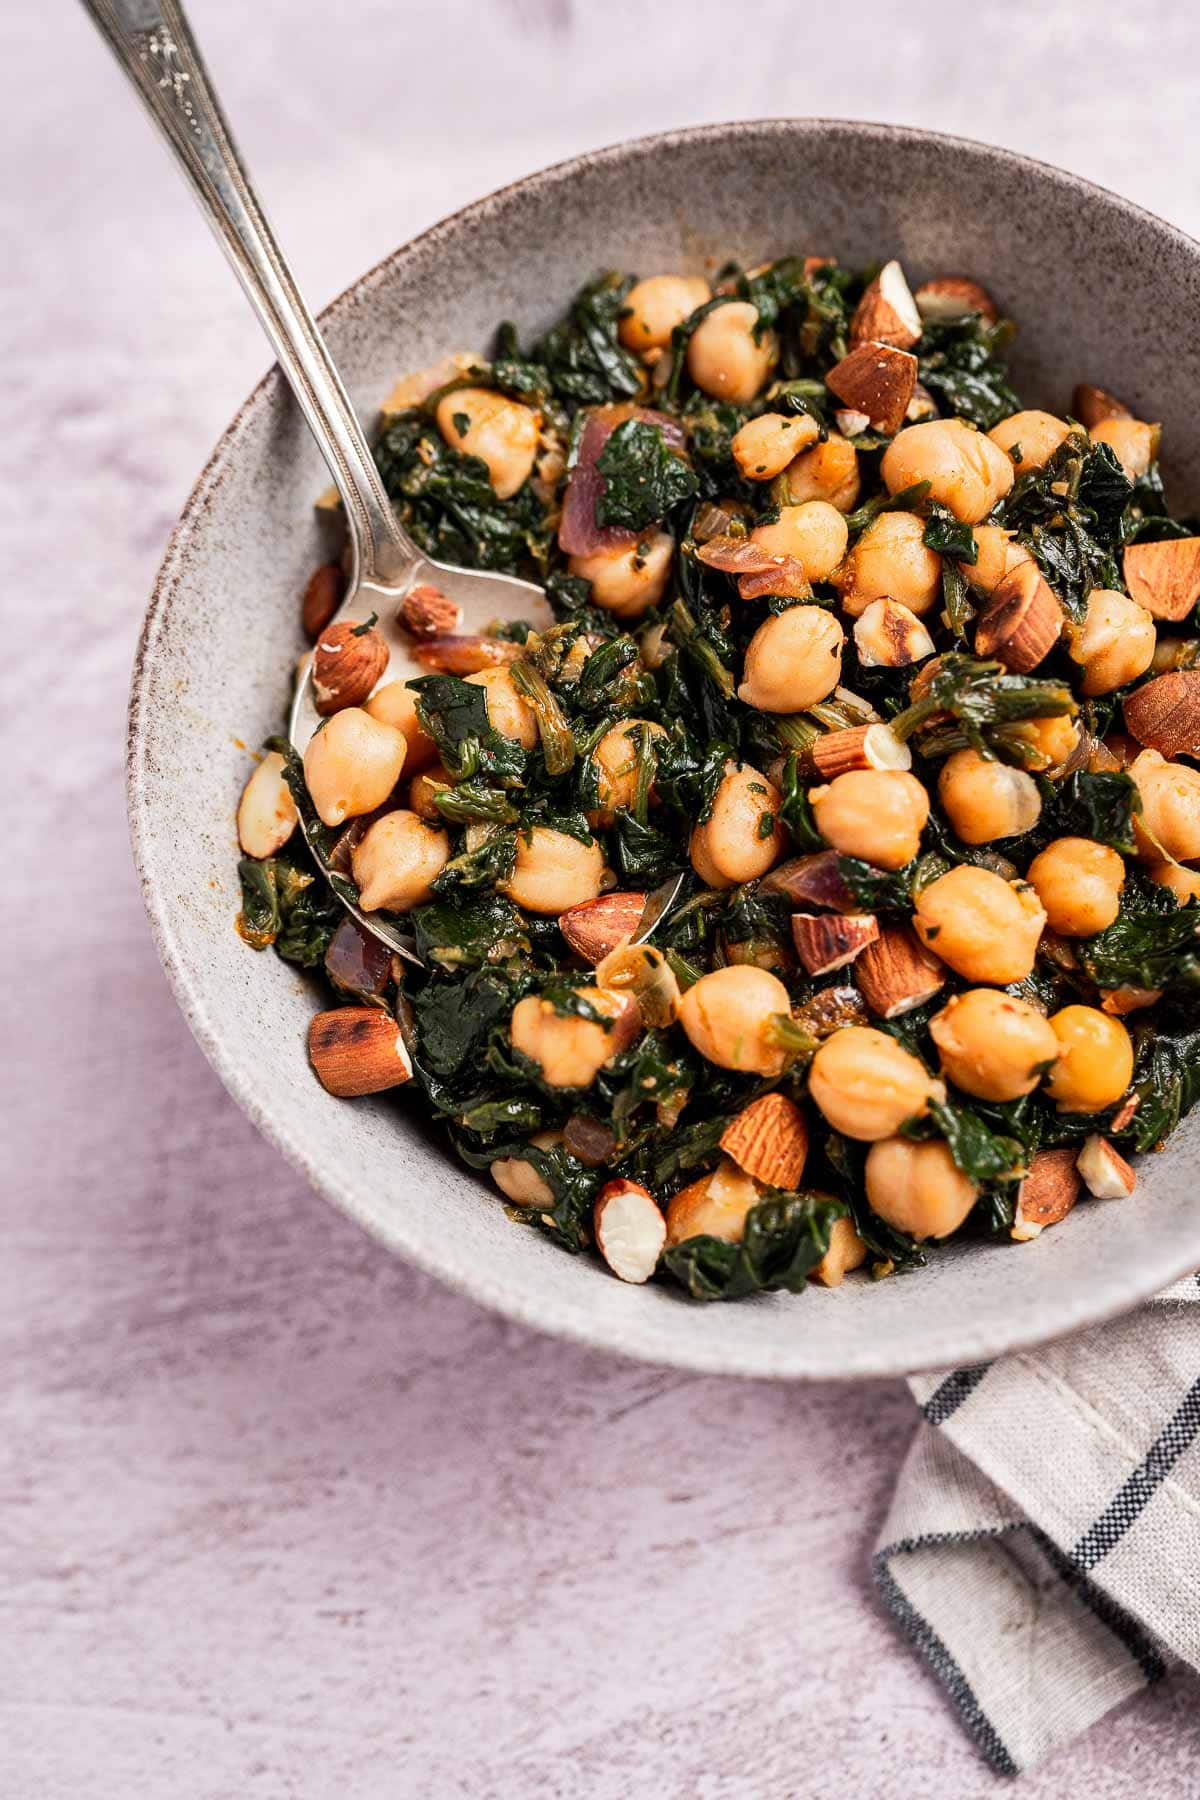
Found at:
[1042, 1551]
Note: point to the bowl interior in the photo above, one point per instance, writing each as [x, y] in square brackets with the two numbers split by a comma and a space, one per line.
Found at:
[1094, 284]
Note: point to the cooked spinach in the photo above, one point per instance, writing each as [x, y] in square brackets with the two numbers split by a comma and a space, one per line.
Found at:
[958, 363]
[1154, 942]
[785, 1237]
[643, 479]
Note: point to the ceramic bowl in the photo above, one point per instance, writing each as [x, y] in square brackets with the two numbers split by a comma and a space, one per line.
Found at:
[1096, 285]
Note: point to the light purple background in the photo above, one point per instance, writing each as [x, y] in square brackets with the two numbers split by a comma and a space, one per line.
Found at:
[278, 1516]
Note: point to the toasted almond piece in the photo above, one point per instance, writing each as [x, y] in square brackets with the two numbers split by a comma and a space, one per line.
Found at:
[464, 655]
[1164, 577]
[897, 973]
[769, 1140]
[644, 972]
[596, 928]
[953, 297]
[1047, 1194]
[1122, 1000]
[348, 661]
[1124, 1113]
[850, 423]
[889, 635]
[877, 380]
[427, 612]
[322, 597]
[1106, 1174]
[1023, 620]
[1092, 405]
[859, 747]
[266, 814]
[358, 1050]
[846, 1251]
[827, 941]
[630, 1230]
[887, 312]
[921, 406]
[1164, 714]
[814, 880]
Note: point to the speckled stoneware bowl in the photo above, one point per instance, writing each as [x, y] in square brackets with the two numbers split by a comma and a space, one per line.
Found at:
[1094, 283]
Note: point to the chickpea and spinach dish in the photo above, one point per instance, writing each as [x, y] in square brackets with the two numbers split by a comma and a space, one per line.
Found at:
[875, 694]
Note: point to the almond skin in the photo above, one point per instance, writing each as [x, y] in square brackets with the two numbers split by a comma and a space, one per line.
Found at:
[596, 928]
[427, 612]
[827, 941]
[1105, 1173]
[322, 597]
[464, 655]
[1047, 1194]
[859, 747]
[877, 380]
[953, 297]
[1164, 577]
[357, 1050]
[1165, 713]
[347, 663]
[897, 973]
[1023, 620]
[769, 1141]
[887, 312]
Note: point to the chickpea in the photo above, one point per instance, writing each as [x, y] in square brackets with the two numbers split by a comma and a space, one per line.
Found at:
[1183, 883]
[631, 578]
[993, 1045]
[1114, 643]
[846, 1251]
[890, 562]
[829, 471]
[715, 1206]
[520, 1182]
[742, 837]
[985, 800]
[554, 871]
[918, 1188]
[1030, 438]
[571, 1050]
[765, 446]
[814, 533]
[423, 790]
[616, 760]
[396, 860]
[501, 432]
[1095, 1060]
[1079, 884]
[986, 928]
[866, 1084]
[877, 814]
[1134, 444]
[1054, 738]
[727, 357]
[793, 660]
[726, 1014]
[351, 765]
[395, 704]
[655, 305]
[996, 555]
[1170, 819]
[965, 470]
[508, 712]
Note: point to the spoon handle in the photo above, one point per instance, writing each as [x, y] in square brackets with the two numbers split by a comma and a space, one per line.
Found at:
[153, 43]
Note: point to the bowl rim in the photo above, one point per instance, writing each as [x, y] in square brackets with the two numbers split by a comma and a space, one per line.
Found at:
[517, 1303]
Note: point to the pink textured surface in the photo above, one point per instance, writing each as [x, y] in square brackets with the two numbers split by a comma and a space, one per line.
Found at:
[277, 1516]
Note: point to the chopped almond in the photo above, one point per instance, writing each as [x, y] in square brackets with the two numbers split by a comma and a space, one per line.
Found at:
[1124, 1113]
[596, 928]
[1092, 405]
[859, 747]
[464, 655]
[877, 380]
[889, 635]
[1023, 620]
[887, 312]
[357, 1050]
[1164, 714]
[827, 941]
[1047, 1194]
[1106, 1174]
[1164, 577]
[846, 1251]
[427, 612]
[897, 973]
[769, 1140]
[953, 297]
[630, 1230]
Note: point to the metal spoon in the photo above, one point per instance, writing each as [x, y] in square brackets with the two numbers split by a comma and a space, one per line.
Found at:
[153, 43]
